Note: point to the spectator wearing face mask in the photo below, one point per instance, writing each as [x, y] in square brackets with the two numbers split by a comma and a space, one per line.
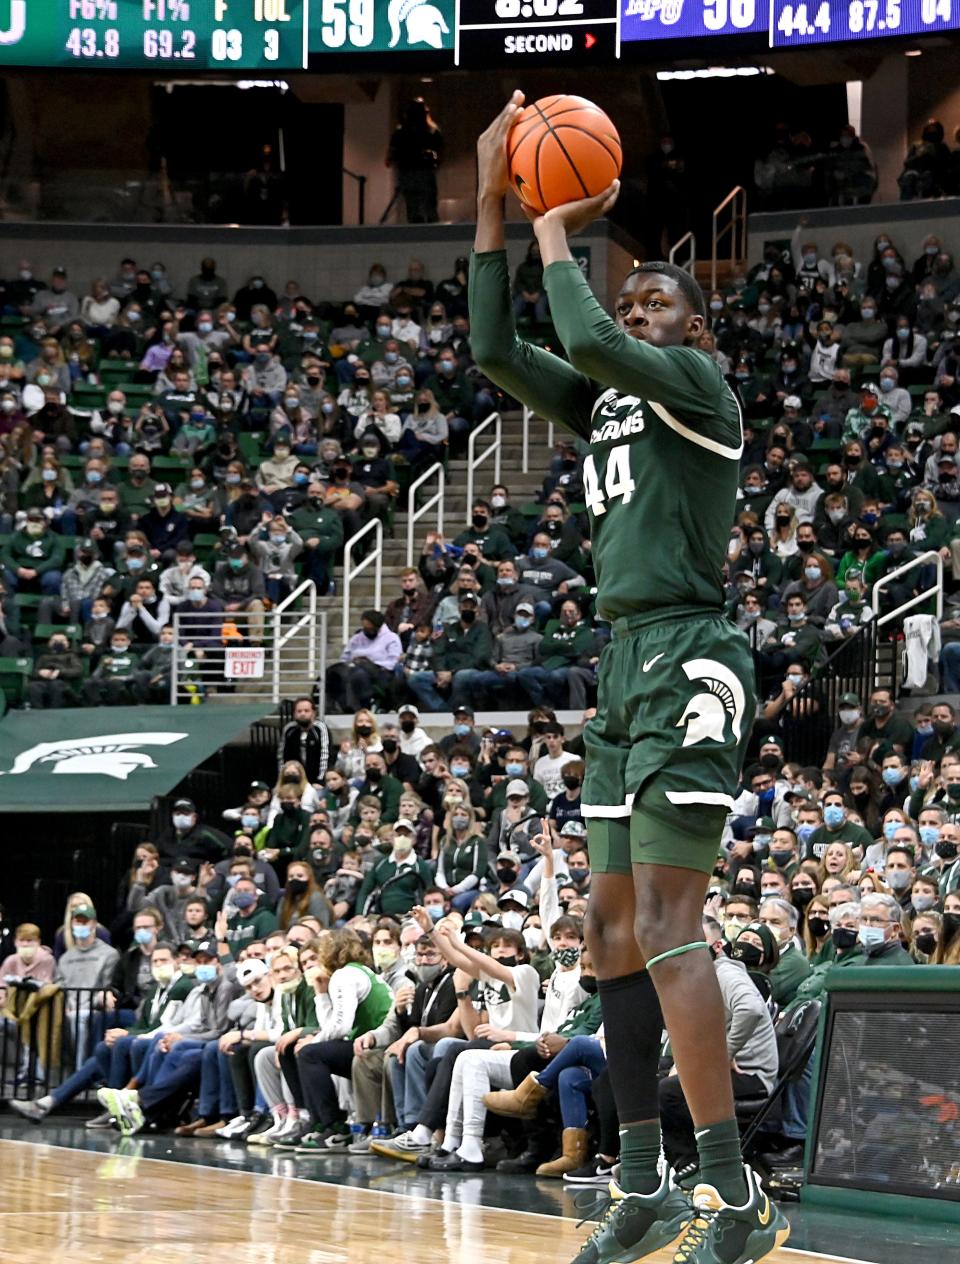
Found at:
[368, 662]
[465, 645]
[396, 882]
[413, 738]
[462, 859]
[414, 605]
[54, 674]
[425, 432]
[493, 541]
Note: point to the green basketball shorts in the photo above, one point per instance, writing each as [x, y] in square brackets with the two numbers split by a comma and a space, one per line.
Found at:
[665, 750]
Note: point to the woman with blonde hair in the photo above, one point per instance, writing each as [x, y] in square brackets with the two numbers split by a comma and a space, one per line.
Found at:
[352, 758]
[293, 773]
[302, 898]
[838, 861]
[870, 883]
[783, 535]
[462, 860]
[817, 936]
[64, 938]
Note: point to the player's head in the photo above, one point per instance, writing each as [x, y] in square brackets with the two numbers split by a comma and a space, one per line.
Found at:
[661, 304]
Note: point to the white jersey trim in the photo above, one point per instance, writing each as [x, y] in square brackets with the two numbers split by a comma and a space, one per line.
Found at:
[715, 798]
[603, 811]
[686, 432]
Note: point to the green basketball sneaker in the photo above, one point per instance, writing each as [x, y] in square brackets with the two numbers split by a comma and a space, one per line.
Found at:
[635, 1225]
[721, 1234]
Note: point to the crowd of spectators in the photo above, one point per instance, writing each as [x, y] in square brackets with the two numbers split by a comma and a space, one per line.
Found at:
[379, 951]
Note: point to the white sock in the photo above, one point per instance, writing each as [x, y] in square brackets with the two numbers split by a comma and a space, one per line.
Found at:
[451, 1141]
[471, 1151]
[422, 1135]
[45, 1103]
[302, 1115]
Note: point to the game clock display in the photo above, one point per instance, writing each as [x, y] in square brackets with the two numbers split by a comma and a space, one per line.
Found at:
[284, 35]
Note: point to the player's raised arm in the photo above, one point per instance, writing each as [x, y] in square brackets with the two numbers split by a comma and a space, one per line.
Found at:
[542, 381]
[674, 374]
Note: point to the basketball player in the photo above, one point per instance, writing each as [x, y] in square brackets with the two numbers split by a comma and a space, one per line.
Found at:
[676, 701]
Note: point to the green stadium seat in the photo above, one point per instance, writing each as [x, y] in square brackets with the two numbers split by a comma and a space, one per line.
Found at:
[14, 674]
[43, 631]
[116, 372]
[84, 395]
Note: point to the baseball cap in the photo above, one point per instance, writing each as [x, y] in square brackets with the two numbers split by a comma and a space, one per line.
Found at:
[183, 864]
[762, 825]
[793, 401]
[35, 515]
[512, 856]
[87, 543]
[250, 971]
[404, 824]
[800, 793]
[518, 787]
[945, 458]
[469, 596]
[83, 910]
[206, 946]
[408, 709]
[525, 606]
[185, 803]
[849, 700]
[162, 489]
[516, 895]
[502, 733]
[463, 709]
[772, 739]
[573, 829]
[185, 549]
[474, 921]
[234, 550]
[258, 785]
[60, 271]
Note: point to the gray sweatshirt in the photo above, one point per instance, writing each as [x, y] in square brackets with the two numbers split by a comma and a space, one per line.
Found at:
[751, 1041]
[87, 967]
[204, 1013]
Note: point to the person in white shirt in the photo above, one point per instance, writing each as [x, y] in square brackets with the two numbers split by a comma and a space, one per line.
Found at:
[413, 739]
[548, 769]
[477, 1071]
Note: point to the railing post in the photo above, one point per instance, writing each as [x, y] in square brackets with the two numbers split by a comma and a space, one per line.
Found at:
[525, 457]
[738, 197]
[691, 263]
[175, 660]
[351, 572]
[275, 665]
[414, 514]
[473, 461]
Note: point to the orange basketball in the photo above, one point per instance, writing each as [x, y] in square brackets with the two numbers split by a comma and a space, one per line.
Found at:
[562, 149]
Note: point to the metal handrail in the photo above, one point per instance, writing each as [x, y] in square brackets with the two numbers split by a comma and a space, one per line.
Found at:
[528, 416]
[691, 263]
[737, 217]
[414, 514]
[924, 559]
[474, 462]
[351, 573]
[307, 620]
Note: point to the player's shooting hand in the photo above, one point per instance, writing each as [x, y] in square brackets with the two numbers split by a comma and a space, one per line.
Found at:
[492, 178]
[572, 217]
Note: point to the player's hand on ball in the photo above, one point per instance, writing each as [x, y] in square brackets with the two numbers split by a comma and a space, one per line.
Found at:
[573, 217]
[492, 178]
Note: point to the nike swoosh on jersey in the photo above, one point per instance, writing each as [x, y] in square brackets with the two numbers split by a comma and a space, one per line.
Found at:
[656, 659]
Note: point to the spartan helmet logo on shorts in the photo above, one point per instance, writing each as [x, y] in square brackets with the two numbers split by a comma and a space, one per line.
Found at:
[424, 23]
[705, 715]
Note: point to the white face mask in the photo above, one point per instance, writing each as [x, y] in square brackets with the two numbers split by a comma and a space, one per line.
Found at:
[511, 920]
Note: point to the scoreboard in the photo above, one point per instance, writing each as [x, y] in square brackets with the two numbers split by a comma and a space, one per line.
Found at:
[282, 35]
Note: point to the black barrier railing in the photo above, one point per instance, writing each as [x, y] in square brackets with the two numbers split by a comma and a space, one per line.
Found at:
[47, 1032]
[808, 722]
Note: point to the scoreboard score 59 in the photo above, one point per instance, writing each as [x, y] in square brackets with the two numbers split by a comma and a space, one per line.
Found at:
[283, 35]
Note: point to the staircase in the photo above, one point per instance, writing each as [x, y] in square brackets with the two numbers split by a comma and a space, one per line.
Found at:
[523, 488]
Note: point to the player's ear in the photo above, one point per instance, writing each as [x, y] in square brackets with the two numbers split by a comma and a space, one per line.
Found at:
[695, 327]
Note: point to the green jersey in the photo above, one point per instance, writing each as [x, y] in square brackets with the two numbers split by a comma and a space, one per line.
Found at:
[663, 428]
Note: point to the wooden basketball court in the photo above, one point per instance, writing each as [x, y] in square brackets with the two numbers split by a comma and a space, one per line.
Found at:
[121, 1208]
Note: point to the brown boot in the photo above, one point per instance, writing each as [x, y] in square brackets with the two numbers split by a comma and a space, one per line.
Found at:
[211, 1130]
[574, 1154]
[187, 1130]
[517, 1103]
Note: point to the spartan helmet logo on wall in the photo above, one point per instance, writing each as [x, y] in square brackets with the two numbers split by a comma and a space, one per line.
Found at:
[706, 714]
[424, 23]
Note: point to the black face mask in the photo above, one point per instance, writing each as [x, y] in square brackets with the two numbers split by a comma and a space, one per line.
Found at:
[297, 886]
[374, 775]
[770, 761]
[802, 897]
[304, 721]
[502, 752]
[506, 875]
[805, 546]
[749, 954]
[480, 521]
[390, 745]
[844, 937]
[946, 850]
[748, 888]
[926, 941]
[509, 962]
[468, 616]
[540, 726]
[589, 984]
[819, 926]
[364, 730]
[408, 725]
[571, 782]
[290, 779]
[290, 809]
[951, 924]
[943, 728]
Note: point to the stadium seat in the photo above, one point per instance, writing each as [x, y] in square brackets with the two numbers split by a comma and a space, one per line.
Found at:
[14, 674]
